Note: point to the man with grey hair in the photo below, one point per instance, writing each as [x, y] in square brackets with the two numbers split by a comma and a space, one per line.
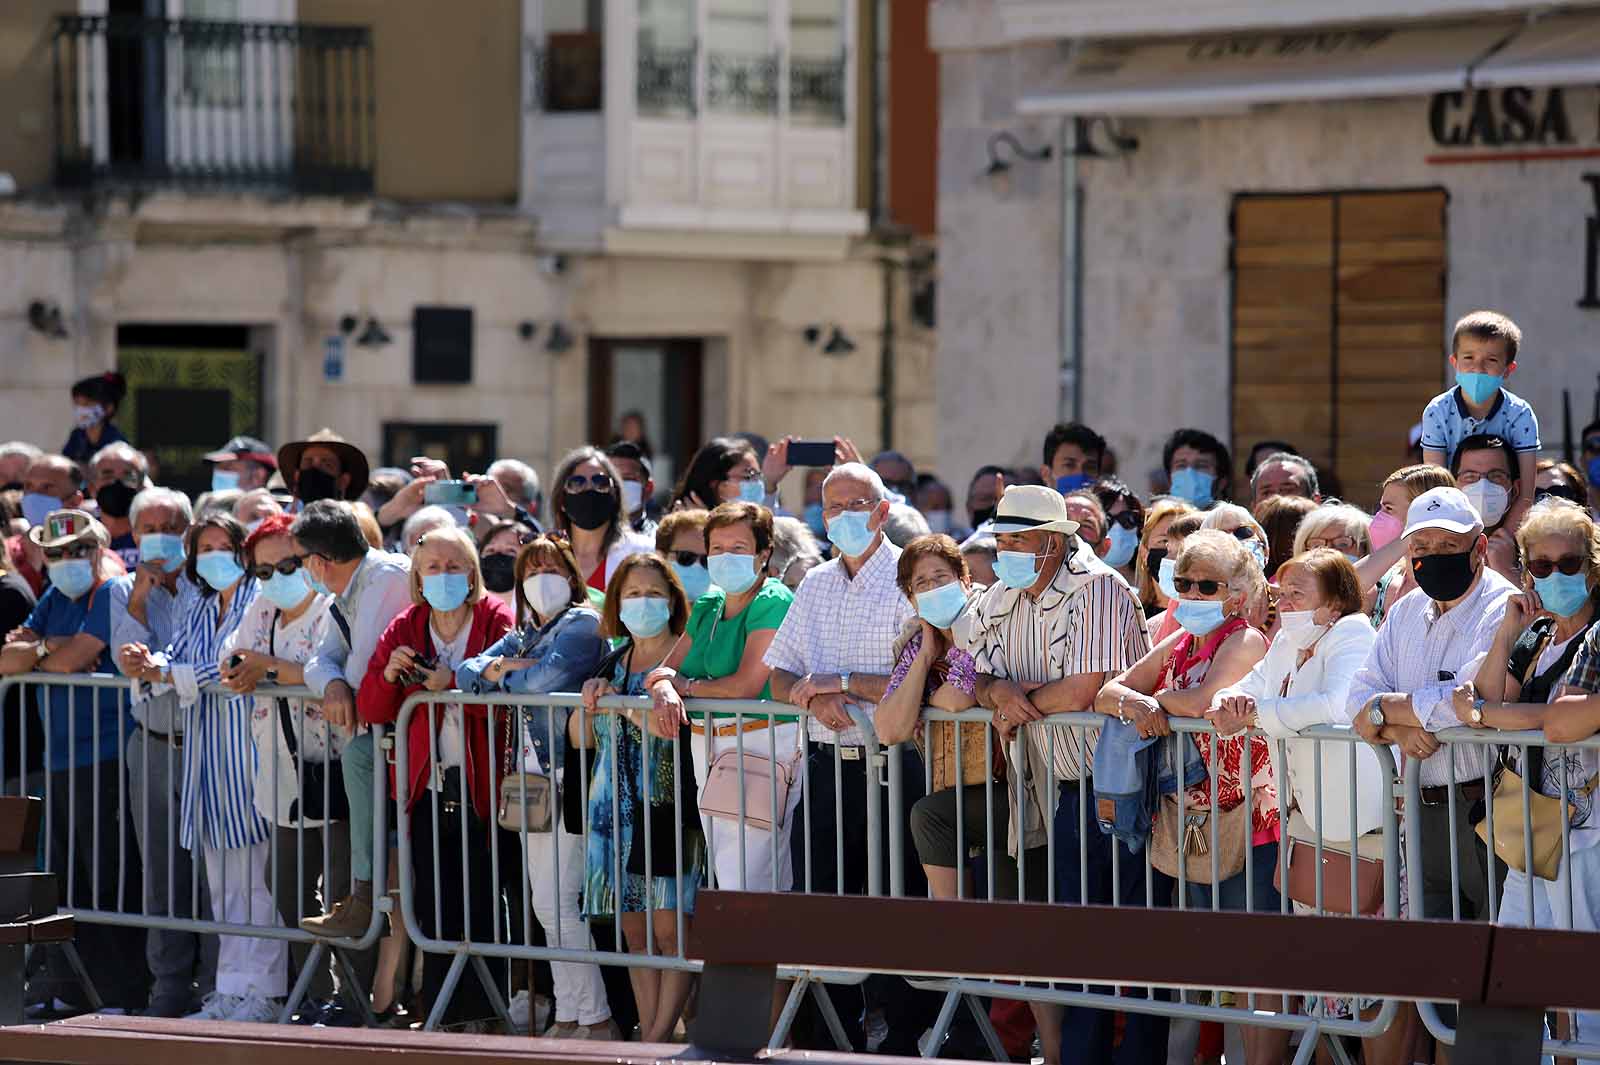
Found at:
[15, 458]
[117, 473]
[904, 524]
[422, 522]
[832, 657]
[142, 607]
[1284, 473]
[520, 482]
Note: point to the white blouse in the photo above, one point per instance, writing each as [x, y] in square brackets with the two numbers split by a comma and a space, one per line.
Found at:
[1317, 695]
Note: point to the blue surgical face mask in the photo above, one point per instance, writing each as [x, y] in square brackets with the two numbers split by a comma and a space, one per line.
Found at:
[223, 480]
[1562, 593]
[218, 568]
[286, 590]
[753, 491]
[1169, 569]
[1123, 544]
[36, 507]
[1071, 482]
[1193, 486]
[1199, 616]
[1257, 550]
[72, 577]
[940, 606]
[812, 516]
[696, 580]
[849, 533]
[165, 548]
[645, 616]
[445, 591]
[311, 579]
[1478, 387]
[1016, 569]
[734, 574]
[1593, 471]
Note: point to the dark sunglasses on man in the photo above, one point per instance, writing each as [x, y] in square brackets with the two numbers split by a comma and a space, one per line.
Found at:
[68, 551]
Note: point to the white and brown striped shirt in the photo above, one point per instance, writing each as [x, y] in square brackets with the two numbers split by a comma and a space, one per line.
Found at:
[1086, 621]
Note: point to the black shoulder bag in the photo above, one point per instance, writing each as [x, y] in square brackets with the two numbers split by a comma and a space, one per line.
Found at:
[315, 777]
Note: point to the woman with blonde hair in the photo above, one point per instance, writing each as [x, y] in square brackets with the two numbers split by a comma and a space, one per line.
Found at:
[1153, 548]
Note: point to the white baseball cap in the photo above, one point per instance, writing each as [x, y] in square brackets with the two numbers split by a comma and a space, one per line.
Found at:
[1442, 508]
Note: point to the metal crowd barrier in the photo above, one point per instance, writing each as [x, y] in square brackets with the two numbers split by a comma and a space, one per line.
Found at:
[128, 906]
[1493, 743]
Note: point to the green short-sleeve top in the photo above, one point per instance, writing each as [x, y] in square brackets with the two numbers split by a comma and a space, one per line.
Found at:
[719, 641]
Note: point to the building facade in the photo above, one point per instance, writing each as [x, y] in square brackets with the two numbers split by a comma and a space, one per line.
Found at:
[1265, 223]
[487, 233]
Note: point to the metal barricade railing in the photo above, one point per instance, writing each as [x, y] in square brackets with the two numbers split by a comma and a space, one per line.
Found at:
[64, 775]
[1503, 883]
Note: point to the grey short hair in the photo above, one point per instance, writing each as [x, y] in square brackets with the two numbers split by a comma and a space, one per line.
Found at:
[1223, 511]
[1353, 521]
[981, 541]
[121, 449]
[14, 449]
[211, 504]
[524, 473]
[1308, 472]
[792, 542]
[429, 517]
[160, 497]
[904, 524]
[855, 471]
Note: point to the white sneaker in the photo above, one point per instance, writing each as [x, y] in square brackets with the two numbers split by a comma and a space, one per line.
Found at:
[256, 1008]
[216, 1007]
[520, 1010]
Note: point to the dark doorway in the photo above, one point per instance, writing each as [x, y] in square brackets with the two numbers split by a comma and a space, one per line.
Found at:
[465, 448]
[190, 388]
[660, 381]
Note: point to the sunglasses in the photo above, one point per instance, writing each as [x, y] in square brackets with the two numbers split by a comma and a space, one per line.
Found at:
[1185, 584]
[287, 567]
[58, 554]
[599, 482]
[1560, 491]
[1244, 532]
[1569, 565]
[688, 558]
[1128, 519]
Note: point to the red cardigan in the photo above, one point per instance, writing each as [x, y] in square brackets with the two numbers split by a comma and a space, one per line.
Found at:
[378, 702]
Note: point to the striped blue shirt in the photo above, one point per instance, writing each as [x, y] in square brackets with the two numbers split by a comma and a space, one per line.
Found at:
[219, 753]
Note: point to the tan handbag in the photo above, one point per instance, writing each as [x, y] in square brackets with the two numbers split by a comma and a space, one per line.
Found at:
[524, 797]
[1301, 842]
[1544, 811]
[720, 796]
[1194, 829]
[975, 767]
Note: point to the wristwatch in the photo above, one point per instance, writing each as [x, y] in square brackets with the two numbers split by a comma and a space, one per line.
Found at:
[270, 676]
[1475, 715]
[844, 684]
[1375, 711]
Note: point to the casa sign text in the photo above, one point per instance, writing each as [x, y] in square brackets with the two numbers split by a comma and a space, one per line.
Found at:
[1513, 117]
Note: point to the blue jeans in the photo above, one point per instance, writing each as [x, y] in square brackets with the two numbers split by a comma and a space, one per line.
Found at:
[359, 762]
[1264, 897]
[1087, 1034]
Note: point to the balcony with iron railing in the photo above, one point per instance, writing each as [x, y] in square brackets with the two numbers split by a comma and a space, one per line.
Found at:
[213, 105]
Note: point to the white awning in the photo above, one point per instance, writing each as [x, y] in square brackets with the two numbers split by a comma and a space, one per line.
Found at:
[1197, 75]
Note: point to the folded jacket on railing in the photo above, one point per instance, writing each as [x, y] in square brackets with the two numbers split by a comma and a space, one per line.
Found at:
[1131, 773]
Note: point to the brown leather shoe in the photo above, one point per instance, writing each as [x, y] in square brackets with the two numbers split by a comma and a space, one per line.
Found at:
[349, 920]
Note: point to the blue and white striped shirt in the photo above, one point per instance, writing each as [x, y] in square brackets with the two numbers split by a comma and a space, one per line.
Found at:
[219, 753]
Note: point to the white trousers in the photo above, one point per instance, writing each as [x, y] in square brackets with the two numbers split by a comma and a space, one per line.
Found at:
[1581, 870]
[237, 879]
[580, 992]
[751, 867]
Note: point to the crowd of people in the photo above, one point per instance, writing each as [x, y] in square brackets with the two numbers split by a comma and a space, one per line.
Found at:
[1263, 606]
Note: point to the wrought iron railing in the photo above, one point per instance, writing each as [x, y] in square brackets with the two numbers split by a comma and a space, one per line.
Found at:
[743, 84]
[816, 89]
[191, 102]
[665, 81]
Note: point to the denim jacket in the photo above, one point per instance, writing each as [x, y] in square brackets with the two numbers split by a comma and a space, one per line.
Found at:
[563, 653]
[1130, 776]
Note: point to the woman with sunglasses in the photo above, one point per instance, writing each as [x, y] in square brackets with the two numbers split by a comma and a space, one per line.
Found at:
[555, 648]
[280, 630]
[586, 510]
[681, 540]
[219, 814]
[726, 469]
[1125, 517]
[1219, 585]
[1543, 671]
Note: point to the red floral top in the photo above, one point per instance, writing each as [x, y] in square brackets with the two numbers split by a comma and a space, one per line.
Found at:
[1186, 668]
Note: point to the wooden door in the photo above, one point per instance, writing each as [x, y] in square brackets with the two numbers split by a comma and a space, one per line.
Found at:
[1338, 327]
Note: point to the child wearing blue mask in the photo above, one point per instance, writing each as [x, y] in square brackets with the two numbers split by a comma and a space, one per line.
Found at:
[1483, 353]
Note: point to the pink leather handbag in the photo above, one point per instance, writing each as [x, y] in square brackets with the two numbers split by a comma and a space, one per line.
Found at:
[720, 796]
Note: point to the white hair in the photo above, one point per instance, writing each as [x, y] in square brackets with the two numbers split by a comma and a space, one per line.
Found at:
[981, 541]
[160, 497]
[254, 495]
[904, 524]
[1223, 511]
[19, 449]
[421, 522]
[792, 542]
[522, 472]
[1352, 520]
[218, 502]
[855, 471]
[121, 449]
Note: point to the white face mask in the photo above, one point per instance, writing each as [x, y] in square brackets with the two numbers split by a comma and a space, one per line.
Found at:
[1488, 499]
[632, 496]
[1296, 624]
[547, 592]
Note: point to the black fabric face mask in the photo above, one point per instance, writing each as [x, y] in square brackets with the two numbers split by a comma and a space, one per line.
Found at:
[499, 572]
[11, 486]
[115, 499]
[1153, 559]
[591, 509]
[312, 484]
[981, 516]
[1444, 578]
